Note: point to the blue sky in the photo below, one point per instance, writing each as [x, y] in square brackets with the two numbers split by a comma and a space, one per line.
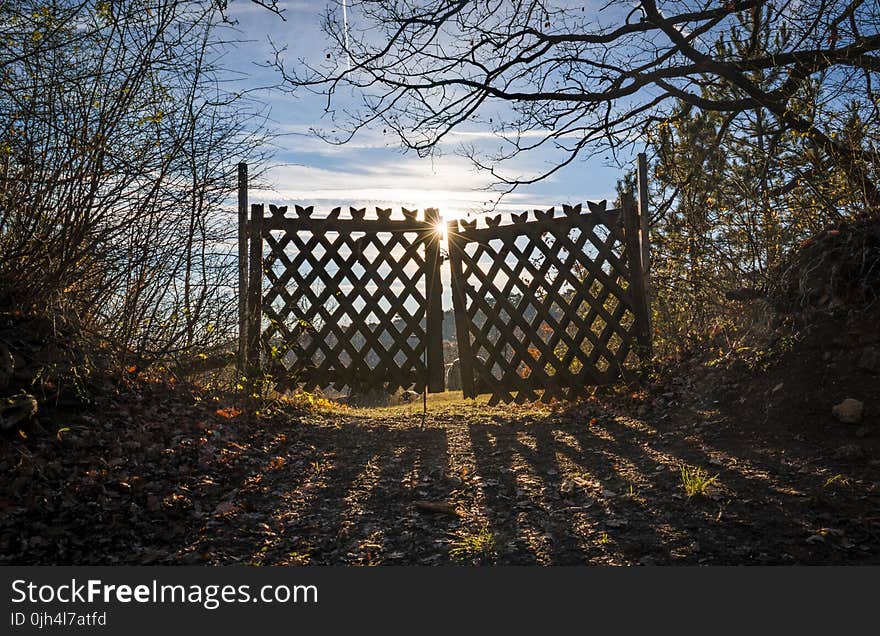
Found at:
[371, 170]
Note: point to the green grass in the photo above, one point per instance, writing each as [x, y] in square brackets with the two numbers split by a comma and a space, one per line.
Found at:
[696, 481]
[436, 402]
[450, 403]
[837, 479]
[473, 547]
[635, 495]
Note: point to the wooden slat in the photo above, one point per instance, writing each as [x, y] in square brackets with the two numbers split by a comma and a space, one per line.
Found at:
[242, 264]
[636, 280]
[537, 227]
[255, 292]
[288, 224]
[459, 304]
[644, 231]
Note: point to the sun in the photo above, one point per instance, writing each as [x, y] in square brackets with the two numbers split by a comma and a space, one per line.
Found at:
[447, 214]
[442, 229]
[451, 208]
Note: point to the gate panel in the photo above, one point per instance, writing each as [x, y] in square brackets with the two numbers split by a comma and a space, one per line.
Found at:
[547, 305]
[350, 300]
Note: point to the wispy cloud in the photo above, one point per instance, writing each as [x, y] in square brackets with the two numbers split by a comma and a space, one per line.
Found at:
[370, 170]
[453, 188]
[509, 134]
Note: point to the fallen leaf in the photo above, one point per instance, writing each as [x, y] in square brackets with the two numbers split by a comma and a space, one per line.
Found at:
[441, 507]
[224, 507]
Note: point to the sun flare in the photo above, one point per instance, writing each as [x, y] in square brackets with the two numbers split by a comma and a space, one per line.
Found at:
[441, 228]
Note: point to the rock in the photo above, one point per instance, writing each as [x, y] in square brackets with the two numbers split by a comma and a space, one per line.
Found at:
[409, 396]
[869, 360]
[849, 411]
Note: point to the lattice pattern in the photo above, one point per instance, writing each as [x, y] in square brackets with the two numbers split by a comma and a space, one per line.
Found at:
[348, 297]
[545, 305]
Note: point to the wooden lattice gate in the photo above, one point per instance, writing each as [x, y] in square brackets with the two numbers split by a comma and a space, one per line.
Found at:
[544, 308]
[351, 301]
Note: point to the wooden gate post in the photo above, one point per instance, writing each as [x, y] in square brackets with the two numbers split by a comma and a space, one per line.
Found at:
[459, 306]
[434, 310]
[255, 290]
[242, 265]
[644, 230]
[636, 287]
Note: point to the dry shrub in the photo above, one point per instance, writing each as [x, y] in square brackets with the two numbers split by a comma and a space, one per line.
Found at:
[838, 267]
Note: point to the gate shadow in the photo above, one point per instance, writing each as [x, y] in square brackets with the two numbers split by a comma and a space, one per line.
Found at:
[576, 489]
[343, 495]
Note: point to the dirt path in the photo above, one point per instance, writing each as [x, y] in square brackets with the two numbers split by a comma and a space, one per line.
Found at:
[527, 486]
[590, 484]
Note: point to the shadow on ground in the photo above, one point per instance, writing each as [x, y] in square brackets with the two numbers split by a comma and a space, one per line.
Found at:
[595, 483]
[584, 486]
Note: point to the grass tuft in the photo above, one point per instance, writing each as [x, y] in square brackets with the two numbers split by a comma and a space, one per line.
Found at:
[635, 495]
[473, 547]
[696, 481]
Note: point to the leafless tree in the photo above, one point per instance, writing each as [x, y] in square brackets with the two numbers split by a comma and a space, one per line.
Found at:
[118, 145]
[577, 79]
